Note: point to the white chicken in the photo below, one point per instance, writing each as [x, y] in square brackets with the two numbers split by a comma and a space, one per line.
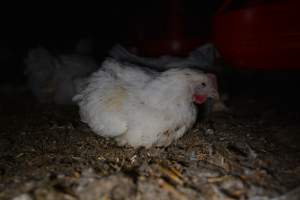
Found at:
[55, 79]
[140, 107]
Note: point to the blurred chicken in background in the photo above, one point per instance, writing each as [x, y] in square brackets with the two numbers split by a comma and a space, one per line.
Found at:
[55, 79]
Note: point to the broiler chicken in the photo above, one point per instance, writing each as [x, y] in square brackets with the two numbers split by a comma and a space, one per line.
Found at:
[55, 79]
[140, 107]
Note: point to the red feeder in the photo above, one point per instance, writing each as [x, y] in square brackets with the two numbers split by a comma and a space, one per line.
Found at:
[166, 31]
[259, 34]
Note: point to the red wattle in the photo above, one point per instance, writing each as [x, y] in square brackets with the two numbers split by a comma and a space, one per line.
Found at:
[199, 99]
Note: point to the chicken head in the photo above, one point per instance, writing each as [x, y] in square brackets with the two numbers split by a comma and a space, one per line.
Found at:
[206, 88]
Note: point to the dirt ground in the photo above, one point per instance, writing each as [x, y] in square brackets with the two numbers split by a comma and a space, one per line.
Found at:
[250, 152]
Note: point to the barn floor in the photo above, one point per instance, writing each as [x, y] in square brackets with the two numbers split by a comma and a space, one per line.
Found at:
[251, 152]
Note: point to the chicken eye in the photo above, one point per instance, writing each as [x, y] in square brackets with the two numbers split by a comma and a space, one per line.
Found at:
[203, 84]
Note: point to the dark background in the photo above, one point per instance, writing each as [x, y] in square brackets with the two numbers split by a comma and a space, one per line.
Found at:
[59, 26]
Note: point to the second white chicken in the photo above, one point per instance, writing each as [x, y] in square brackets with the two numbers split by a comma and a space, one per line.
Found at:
[54, 79]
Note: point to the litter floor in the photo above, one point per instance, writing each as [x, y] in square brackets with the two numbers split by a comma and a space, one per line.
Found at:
[250, 152]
